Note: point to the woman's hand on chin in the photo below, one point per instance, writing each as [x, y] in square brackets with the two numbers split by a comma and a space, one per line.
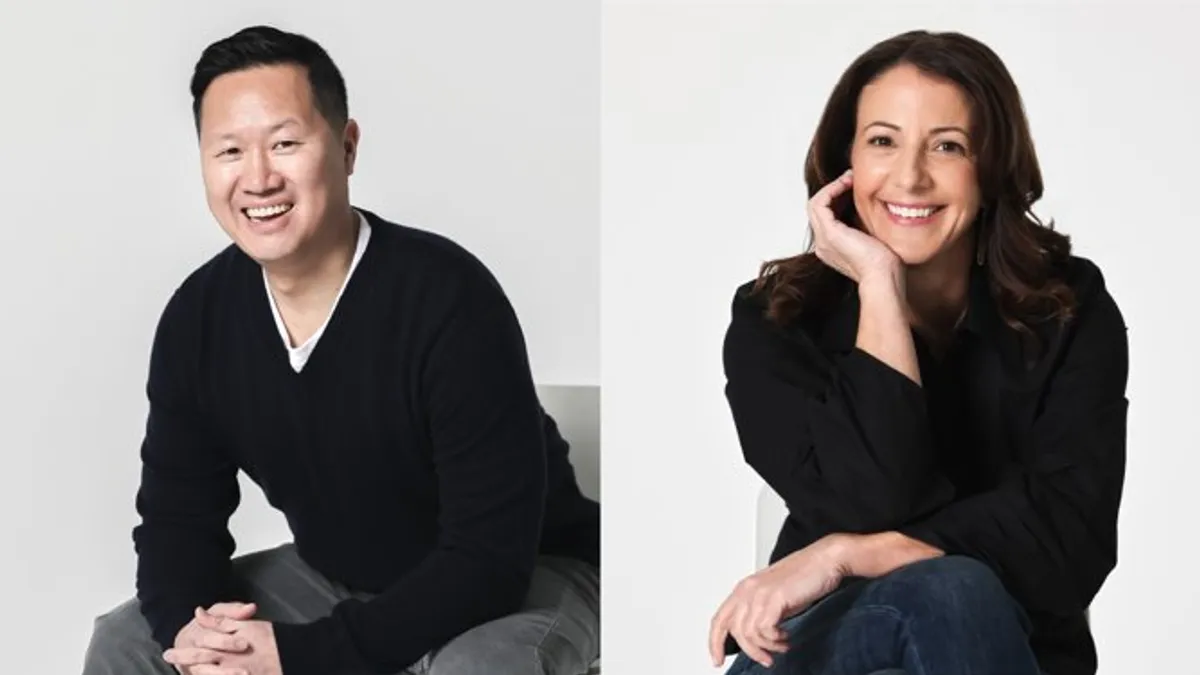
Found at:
[852, 252]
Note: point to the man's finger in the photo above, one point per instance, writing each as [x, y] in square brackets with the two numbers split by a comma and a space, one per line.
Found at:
[211, 669]
[216, 623]
[222, 642]
[234, 610]
[190, 656]
[225, 616]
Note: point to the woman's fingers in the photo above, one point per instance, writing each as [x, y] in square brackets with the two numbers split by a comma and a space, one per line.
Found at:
[766, 625]
[752, 649]
[745, 634]
[830, 191]
[762, 618]
[717, 631]
[820, 206]
[821, 217]
[815, 222]
[848, 250]
[751, 615]
[824, 239]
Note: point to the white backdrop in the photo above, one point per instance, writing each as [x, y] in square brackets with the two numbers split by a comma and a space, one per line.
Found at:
[707, 113]
[480, 121]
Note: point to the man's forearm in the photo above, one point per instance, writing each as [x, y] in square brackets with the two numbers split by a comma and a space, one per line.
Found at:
[170, 587]
[448, 593]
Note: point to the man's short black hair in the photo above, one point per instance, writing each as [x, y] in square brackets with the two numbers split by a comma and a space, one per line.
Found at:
[268, 46]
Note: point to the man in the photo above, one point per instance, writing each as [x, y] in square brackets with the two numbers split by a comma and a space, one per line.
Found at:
[373, 380]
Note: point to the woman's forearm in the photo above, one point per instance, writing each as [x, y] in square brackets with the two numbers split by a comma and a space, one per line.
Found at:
[874, 555]
[883, 328]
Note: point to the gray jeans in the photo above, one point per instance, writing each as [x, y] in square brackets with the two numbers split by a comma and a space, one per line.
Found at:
[557, 631]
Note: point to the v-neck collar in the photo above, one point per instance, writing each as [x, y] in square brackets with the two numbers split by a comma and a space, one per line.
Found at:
[298, 356]
[262, 310]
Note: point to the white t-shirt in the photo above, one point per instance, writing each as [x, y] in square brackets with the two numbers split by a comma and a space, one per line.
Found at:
[298, 356]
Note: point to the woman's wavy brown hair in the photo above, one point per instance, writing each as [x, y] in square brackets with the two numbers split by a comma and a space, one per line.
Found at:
[1024, 257]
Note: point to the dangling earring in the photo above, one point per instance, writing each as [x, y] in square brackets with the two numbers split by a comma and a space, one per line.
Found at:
[980, 239]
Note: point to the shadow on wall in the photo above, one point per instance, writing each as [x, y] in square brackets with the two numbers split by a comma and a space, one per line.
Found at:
[257, 525]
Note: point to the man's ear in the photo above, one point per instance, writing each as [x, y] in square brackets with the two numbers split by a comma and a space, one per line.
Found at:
[350, 138]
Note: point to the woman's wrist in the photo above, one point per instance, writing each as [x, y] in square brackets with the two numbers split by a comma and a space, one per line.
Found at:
[883, 328]
[874, 555]
[884, 283]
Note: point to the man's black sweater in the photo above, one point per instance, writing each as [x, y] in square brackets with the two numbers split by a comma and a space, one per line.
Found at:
[410, 455]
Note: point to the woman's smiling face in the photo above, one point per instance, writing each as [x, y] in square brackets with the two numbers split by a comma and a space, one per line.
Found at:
[915, 185]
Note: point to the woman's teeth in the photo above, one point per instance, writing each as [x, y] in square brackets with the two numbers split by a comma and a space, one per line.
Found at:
[907, 212]
[261, 212]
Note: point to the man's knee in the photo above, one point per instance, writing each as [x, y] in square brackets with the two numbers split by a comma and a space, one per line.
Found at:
[480, 658]
[953, 588]
[520, 644]
[115, 627]
[121, 643]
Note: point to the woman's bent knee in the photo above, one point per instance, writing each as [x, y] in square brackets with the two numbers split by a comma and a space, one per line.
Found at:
[955, 587]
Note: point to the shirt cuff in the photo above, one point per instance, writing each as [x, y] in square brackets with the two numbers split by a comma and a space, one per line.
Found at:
[168, 626]
[926, 534]
[309, 648]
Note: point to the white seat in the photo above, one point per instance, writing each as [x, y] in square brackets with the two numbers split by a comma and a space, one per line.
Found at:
[576, 409]
[772, 511]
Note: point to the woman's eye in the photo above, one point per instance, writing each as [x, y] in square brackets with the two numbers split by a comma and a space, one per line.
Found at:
[286, 144]
[881, 141]
[952, 146]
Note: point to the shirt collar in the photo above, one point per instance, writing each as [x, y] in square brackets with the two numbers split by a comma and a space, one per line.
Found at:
[983, 317]
[840, 330]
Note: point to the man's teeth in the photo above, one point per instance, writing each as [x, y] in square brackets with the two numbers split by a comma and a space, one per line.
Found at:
[268, 211]
[905, 212]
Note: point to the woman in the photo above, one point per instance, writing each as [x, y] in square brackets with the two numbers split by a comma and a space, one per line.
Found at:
[937, 390]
